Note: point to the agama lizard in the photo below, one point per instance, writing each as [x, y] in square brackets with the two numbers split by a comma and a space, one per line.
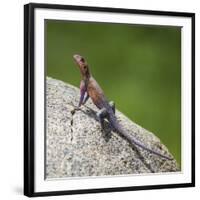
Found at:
[89, 86]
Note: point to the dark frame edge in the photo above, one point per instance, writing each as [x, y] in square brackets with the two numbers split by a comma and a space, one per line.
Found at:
[193, 98]
[111, 9]
[108, 190]
[28, 101]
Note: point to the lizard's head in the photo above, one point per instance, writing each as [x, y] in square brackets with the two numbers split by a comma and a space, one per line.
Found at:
[82, 64]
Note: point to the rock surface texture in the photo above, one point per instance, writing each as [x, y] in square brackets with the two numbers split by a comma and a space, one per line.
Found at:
[76, 146]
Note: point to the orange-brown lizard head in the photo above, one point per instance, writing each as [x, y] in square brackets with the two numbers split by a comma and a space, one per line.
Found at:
[82, 64]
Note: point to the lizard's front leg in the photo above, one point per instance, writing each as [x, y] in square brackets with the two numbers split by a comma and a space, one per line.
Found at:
[82, 92]
[86, 98]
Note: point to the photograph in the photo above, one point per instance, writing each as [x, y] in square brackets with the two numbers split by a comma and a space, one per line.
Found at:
[113, 99]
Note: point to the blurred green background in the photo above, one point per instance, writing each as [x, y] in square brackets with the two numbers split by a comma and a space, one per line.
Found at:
[138, 67]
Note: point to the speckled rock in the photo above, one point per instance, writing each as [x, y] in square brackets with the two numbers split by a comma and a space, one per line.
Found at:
[76, 146]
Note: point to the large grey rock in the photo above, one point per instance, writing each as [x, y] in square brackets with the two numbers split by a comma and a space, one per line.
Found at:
[76, 145]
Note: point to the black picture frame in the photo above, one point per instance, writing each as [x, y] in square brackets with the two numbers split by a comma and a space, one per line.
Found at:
[29, 98]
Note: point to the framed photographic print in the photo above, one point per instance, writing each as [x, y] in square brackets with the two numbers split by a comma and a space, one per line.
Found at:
[108, 99]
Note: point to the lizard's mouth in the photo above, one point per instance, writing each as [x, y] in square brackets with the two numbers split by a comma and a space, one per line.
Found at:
[77, 59]
[76, 56]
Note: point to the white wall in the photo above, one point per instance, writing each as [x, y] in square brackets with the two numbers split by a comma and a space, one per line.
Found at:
[11, 97]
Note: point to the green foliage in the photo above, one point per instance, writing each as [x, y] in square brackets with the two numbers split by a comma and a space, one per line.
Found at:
[139, 67]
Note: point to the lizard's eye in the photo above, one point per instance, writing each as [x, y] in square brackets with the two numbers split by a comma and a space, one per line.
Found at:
[82, 60]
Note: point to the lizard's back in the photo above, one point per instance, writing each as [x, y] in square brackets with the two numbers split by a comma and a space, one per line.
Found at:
[96, 93]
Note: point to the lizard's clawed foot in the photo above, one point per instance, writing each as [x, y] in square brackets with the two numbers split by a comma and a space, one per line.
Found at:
[75, 109]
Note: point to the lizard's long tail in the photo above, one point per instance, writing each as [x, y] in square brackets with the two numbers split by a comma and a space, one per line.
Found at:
[130, 139]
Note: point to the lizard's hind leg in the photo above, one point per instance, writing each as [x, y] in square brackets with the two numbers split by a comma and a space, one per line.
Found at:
[112, 104]
[101, 114]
